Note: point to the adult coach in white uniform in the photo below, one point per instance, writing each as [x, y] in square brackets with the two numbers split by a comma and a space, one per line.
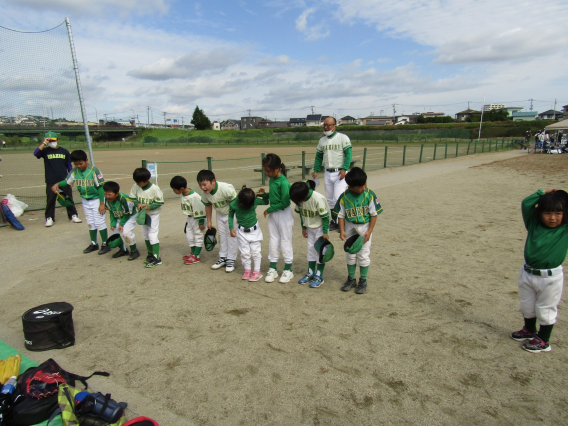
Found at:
[334, 153]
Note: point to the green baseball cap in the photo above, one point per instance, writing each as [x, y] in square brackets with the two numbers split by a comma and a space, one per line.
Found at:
[63, 199]
[114, 241]
[143, 219]
[51, 135]
[325, 250]
[353, 244]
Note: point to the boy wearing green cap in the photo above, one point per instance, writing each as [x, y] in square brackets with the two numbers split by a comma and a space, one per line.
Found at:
[357, 211]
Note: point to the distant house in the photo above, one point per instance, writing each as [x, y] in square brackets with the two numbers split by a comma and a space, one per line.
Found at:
[313, 120]
[464, 115]
[565, 112]
[549, 115]
[376, 120]
[269, 124]
[348, 120]
[511, 110]
[492, 106]
[297, 122]
[248, 123]
[215, 125]
[432, 114]
[323, 118]
[231, 124]
[524, 116]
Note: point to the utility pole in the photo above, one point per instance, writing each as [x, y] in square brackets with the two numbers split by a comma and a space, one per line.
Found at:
[148, 116]
[393, 109]
[467, 104]
[554, 111]
[164, 118]
[312, 107]
[248, 111]
[531, 108]
[182, 123]
[105, 119]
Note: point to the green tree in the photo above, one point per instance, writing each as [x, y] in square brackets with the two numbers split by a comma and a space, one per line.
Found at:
[200, 120]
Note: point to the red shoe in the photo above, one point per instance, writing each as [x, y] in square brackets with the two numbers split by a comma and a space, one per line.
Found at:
[192, 261]
[188, 256]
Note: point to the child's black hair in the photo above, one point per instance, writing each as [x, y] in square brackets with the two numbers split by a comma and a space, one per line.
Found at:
[111, 186]
[356, 177]
[141, 175]
[207, 175]
[78, 155]
[553, 202]
[298, 192]
[273, 162]
[246, 198]
[178, 182]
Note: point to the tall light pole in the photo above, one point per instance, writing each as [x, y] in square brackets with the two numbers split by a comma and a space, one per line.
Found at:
[133, 118]
[96, 116]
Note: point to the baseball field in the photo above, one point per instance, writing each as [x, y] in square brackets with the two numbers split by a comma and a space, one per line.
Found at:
[427, 344]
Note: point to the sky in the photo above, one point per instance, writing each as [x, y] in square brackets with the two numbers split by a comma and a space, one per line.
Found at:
[286, 58]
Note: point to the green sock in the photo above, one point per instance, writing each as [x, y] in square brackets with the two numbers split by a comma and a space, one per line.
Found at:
[104, 235]
[148, 246]
[197, 251]
[156, 250]
[133, 247]
[351, 270]
[273, 265]
[311, 267]
[93, 236]
[320, 269]
[364, 271]
[287, 266]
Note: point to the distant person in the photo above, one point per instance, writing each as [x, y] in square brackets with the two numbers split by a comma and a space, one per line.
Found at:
[3, 144]
[57, 164]
[334, 153]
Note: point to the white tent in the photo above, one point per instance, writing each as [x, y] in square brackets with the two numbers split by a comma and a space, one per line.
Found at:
[561, 125]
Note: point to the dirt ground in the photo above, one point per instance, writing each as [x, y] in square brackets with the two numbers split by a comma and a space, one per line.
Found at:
[427, 344]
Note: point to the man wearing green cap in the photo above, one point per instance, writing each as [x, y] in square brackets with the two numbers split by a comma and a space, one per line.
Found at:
[57, 164]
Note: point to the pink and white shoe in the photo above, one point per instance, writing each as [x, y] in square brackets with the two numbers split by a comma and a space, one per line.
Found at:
[256, 275]
[191, 260]
[188, 256]
[246, 275]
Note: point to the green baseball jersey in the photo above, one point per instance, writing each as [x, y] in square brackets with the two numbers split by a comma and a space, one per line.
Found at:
[150, 195]
[313, 210]
[245, 217]
[278, 195]
[122, 208]
[357, 208]
[89, 182]
[192, 205]
[220, 197]
[334, 151]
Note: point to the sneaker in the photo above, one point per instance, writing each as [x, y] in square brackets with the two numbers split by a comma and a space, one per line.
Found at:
[188, 256]
[149, 258]
[271, 275]
[120, 253]
[306, 279]
[256, 275]
[333, 226]
[229, 265]
[154, 262]
[349, 284]
[316, 281]
[219, 264]
[246, 275]
[287, 275]
[522, 334]
[134, 254]
[91, 248]
[537, 345]
[192, 260]
[75, 219]
[362, 286]
[48, 222]
[104, 249]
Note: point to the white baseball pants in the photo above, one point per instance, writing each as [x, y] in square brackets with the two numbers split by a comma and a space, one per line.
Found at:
[94, 218]
[281, 227]
[228, 246]
[313, 235]
[193, 234]
[333, 188]
[150, 233]
[249, 246]
[128, 232]
[540, 296]
[363, 257]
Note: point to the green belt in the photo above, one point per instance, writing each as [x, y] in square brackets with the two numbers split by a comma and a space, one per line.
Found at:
[539, 272]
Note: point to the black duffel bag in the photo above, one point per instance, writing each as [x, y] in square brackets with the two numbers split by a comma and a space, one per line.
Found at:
[49, 326]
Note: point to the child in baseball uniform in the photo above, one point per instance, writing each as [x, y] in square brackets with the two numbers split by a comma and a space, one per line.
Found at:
[192, 206]
[314, 218]
[218, 195]
[89, 181]
[150, 197]
[248, 233]
[357, 210]
[122, 210]
[280, 218]
[541, 278]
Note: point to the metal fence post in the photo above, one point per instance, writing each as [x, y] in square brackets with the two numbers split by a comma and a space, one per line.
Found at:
[404, 155]
[421, 151]
[364, 158]
[262, 168]
[482, 146]
[475, 148]
[489, 145]
[457, 148]
[144, 164]
[446, 151]
[435, 148]
[209, 166]
[303, 165]
[385, 163]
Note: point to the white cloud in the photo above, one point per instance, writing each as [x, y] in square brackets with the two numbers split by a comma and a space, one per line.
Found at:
[310, 33]
[96, 7]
